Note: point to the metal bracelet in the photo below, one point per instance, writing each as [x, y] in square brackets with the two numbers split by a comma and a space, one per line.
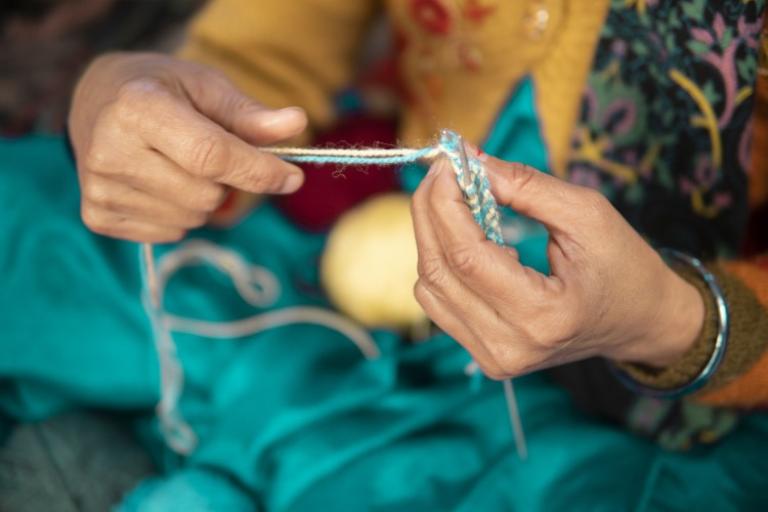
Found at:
[721, 342]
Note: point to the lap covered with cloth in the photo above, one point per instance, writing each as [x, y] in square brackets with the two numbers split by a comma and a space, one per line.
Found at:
[294, 417]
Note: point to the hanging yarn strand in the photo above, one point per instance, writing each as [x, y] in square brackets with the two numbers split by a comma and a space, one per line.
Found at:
[255, 285]
[514, 418]
[475, 188]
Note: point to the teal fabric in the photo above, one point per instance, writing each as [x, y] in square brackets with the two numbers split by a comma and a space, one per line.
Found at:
[294, 419]
[67, 299]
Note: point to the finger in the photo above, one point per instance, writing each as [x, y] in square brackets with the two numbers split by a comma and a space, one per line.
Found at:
[203, 148]
[122, 199]
[263, 126]
[219, 99]
[500, 339]
[161, 178]
[445, 317]
[552, 201]
[500, 357]
[434, 272]
[208, 151]
[491, 271]
[113, 225]
[433, 269]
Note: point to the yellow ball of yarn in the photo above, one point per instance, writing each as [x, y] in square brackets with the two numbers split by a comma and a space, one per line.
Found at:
[369, 264]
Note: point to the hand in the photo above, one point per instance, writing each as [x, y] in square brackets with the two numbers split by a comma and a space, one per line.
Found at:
[609, 293]
[159, 140]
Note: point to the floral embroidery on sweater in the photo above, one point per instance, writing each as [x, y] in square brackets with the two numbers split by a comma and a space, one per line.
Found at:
[666, 114]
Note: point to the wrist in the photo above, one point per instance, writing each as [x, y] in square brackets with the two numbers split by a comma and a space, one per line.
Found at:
[699, 363]
[674, 323]
[678, 323]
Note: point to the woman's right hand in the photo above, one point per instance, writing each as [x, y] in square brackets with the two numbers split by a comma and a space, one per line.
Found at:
[158, 141]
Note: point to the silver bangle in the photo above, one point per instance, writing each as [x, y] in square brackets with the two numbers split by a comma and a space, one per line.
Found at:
[721, 342]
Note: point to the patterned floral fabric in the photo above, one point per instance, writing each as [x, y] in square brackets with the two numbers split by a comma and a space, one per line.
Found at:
[665, 134]
[667, 114]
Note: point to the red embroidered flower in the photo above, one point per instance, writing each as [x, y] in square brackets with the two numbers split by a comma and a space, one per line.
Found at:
[432, 15]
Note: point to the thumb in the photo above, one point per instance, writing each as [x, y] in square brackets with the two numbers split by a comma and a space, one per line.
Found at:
[217, 98]
[540, 196]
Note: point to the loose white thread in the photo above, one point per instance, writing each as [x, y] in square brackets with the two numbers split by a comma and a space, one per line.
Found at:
[257, 286]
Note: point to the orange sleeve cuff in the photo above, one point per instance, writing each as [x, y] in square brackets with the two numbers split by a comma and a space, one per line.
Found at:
[749, 389]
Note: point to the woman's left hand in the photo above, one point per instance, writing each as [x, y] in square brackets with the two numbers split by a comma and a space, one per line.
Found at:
[609, 293]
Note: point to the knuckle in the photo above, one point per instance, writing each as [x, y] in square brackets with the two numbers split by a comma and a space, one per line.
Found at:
[421, 293]
[97, 193]
[96, 159]
[493, 372]
[464, 259]
[140, 88]
[521, 175]
[209, 156]
[258, 176]
[507, 357]
[431, 270]
[94, 220]
[514, 366]
[135, 97]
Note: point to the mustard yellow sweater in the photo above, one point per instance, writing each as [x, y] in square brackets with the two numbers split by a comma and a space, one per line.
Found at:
[300, 53]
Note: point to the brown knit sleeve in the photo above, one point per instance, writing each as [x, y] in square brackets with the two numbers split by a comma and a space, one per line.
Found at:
[744, 383]
[748, 340]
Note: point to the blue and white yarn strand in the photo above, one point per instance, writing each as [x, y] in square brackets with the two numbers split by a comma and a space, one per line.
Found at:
[374, 156]
[474, 184]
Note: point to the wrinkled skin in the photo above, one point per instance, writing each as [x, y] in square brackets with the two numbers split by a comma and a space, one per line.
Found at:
[160, 141]
[609, 293]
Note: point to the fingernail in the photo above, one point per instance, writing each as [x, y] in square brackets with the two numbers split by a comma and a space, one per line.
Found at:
[292, 183]
[284, 116]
